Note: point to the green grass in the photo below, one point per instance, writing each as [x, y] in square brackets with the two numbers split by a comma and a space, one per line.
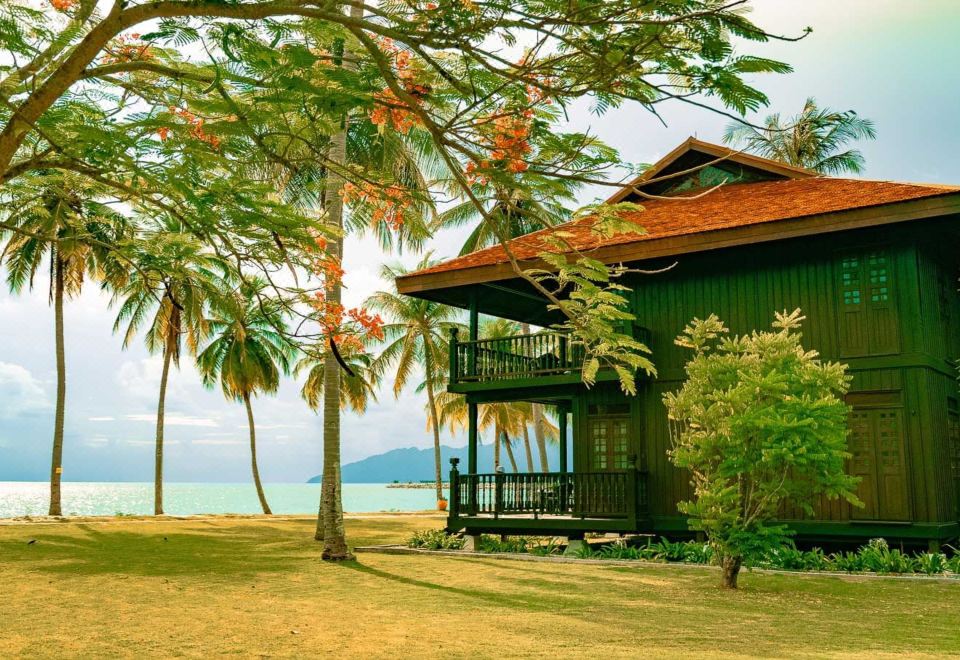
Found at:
[257, 588]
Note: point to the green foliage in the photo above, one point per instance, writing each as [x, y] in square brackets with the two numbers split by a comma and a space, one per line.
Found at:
[815, 139]
[435, 539]
[511, 544]
[759, 422]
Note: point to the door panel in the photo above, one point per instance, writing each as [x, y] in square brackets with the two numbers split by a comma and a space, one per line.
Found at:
[862, 463]
[878, 458]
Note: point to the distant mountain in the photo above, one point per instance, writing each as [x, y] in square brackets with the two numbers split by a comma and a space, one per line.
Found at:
[412, 464]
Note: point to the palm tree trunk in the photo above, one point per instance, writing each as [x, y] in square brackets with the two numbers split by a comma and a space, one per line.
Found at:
[331, 502]
[496, 447]
[318, 533]
[435, 422]
[526, 447]
[536, 412]
[253, 456]
[509, 448]
[158, 455]
[539, 422]
[56, 464]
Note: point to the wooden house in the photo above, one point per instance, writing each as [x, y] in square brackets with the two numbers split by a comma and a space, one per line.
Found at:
[872, 264]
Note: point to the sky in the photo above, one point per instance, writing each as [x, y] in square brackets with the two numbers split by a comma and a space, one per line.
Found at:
[891, 61]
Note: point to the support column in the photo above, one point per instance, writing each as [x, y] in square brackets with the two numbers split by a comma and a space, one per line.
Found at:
[472, 456]
[563, 437]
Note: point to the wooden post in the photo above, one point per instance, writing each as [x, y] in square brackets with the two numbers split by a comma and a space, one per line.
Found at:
[454, 371]
[563, 437]
[472, 455]
[474, 335]
[454, 489]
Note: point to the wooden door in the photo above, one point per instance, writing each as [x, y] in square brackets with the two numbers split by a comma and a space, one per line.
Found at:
[953, 437]
[609, 441]
[608, 451]
[878, 458]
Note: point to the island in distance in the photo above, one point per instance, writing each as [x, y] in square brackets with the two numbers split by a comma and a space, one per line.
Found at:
[413, 465]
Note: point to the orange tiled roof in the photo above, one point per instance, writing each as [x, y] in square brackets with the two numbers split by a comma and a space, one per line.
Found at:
[730, 206]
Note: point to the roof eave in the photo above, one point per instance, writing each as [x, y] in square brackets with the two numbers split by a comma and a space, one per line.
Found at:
[653, 248]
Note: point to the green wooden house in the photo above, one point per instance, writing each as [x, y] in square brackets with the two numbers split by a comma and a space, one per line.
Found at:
[872, 264]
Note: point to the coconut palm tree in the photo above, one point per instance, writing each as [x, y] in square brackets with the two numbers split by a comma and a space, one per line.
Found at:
[506, 419]
[246, 354]
[416, 336]
[166, 293]
[356, 390]
[62, 225]
[815, 139]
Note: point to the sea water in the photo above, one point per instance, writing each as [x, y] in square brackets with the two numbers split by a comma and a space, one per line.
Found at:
[31, 498]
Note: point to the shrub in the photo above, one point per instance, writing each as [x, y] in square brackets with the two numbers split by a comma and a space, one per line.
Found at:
[877, 557]
[510, 544]
[932, 563]
[759, 421]
[435, 539]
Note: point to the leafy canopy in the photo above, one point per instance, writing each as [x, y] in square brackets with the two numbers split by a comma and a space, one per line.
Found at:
[760, 422]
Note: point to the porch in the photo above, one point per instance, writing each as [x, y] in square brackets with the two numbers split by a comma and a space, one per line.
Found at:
[547, 503]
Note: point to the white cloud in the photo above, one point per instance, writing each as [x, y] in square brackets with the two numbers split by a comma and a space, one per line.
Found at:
[215, 441]
[20, 392]
[101, 419]
[176, 420]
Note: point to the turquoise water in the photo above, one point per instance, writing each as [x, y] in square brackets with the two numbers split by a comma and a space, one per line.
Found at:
[31, 498]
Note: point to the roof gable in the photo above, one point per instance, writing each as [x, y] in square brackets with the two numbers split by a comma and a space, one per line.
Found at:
[697, 164]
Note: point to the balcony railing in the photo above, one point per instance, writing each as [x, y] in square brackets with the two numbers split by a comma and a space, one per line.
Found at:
[550, 494]
[508, 358]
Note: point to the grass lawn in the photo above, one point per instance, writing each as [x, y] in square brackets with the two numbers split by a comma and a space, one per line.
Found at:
[255, 587]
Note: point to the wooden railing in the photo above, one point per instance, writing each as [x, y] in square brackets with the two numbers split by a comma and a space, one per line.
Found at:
[572, 494]
[507, 358]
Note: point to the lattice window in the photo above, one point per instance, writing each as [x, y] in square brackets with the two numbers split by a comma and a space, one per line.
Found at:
[878, 275]
[620, 443]
[598, 432]
[888, 439]
[850, 280]
[860, 445]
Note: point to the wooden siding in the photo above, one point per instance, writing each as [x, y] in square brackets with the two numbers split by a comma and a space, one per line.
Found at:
[897, 342]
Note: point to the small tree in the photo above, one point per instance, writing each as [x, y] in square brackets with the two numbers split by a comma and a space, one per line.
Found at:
[759, 422]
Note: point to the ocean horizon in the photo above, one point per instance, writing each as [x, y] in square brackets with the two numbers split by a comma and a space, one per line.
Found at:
[86, 498]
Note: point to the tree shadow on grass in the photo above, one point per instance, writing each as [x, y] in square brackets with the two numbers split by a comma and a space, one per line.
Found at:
[223, 551]
[530, 602]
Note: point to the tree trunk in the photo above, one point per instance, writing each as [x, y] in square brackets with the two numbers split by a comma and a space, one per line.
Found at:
[526, 447]
[496, 447]
[731, 571]
[435, 422]
[318, 533]
[539, 424]
[507, 445]
[331, 502]
[158, 455]
[56, 463]
[253, 456]
[536, 413]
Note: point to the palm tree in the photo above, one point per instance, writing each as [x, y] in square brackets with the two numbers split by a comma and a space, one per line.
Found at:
[246, 354]
[65, 226]
[356, 391]
[166, 292]
[506, 419]
[416, 336]
[814, 139]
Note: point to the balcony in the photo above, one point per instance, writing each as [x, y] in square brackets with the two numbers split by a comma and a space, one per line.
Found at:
[533, 360]
[545, 503]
